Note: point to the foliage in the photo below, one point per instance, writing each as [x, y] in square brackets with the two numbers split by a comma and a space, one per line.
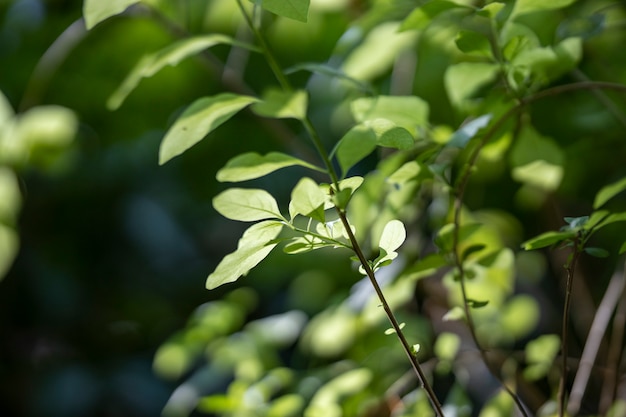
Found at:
[429, 143]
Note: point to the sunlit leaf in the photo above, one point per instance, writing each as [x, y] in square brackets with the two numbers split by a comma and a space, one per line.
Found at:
[289, 405]
[293, 9]
[608, 192]
[447, 345]
[576, 222]
[281, 104]
[10, 197]
[472, 249]
[455, 313]
[445, 236]
[252, 165]
[426, 266]
[198, 120]
[95, 11]
[463, 80]
[393, 236]
[473, 43]
[9, 246]
[409, 112]
[520, 315]
[253, 247]
[391, 330]
[610, 219]
[539, 173]
[172, 54]
[547, 239]
[308, 199]
[246, 205]
[476, 303]
[491, 10]
[540, 355]
[423, 15]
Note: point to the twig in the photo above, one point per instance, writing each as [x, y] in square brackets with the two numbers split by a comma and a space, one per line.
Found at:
[596, 333]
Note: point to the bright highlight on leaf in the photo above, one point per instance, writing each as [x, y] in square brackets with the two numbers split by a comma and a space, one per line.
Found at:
[95, 11]
[171, 55]
[409, 112]
[547, 239]
[282, 104]
[252, 248]
[421, 17]
[391, 330]
[308, 199]
[252, 165]
[246, 205]
[293, 9]
[198, 120]
[608, 192]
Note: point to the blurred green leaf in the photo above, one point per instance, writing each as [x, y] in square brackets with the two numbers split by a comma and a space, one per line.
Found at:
[540, 173]
[461, 137]
[253, 247]
[281, 104]
[520, 316]
[584, 27]
[547, 239]
[252, 165]
[329, 71]
[246, 205]
[622, 248]
[421, 17]
[289, 405]
[445, 236]
[293, 9]
[172, 54]
[426, 266]
[608, 192]
[308, 199]
[10, 197]
[355, 145]
[597, 252]
[464, 79]
[446, 346]
[473, 43]
[391, 330]
[198, 120]
[9, 246]
[95, 11]
[476, 303]
[530, 6]
[409, 112]
[540, 355]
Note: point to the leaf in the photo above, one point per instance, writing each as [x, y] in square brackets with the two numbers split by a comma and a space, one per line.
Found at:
[608, 192]
[597, 252]
[252, 165]
[355, 145]
[150, 64]
[584, 27]
[391, 330]
[576, 222]
[472, 249]
[246, 205]
[540, 355]
[308, 199]
[540, 173]
[547, 239]
[282, 104]
[463, 80]
[421, 17]
[293, 9]
[393, 236]
[252, 248]
[461, 137]
[530, 6]
[476, 304]
[95, 11]
[455, 313]
[622, 248]
[327, 70]
[409, 112]
[445, 236]
[473, 43]
[426, 266]
[198, 120]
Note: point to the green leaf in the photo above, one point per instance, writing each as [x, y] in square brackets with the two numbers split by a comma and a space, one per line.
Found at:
[308, 199]
[547, 239]
[473, 43]
[293, 9]
[622, 248]
[447, 346]
[584, 27]
[150, 64]
[455, 313]
[597, 252]
[282, 104]
[252, 165]
[421, 17]
[355, 145]
[461, 137]
[246, 205]
[576, 222]
[541, 174]
[540, 355]
[393, 236]
[530, 6]
[389, 135]
[608, 192]
[253, 247]
[477, 304]
[409, 112]
[391, 330]
[472, 249]
[198, 120]
[463, 80]
[327, 70]
[426, 266]
[95, 11]
[10, 197]
[610, 219]
[444, 238]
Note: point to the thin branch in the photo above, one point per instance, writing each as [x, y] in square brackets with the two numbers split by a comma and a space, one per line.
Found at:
[596, 333]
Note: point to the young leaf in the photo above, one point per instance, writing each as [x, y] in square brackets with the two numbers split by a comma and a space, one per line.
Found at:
[393, 236]
[171, 55]
[608, 192]
[576, 222]
[391, 330]
[282, 104]
[293, 9]
[308, 199]
[477, 304]
[409, 112]
[253, 247]
[198, 120]
[597, 252]
[246, 205]
[547, 239]
[251, 165]
[95, 11]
